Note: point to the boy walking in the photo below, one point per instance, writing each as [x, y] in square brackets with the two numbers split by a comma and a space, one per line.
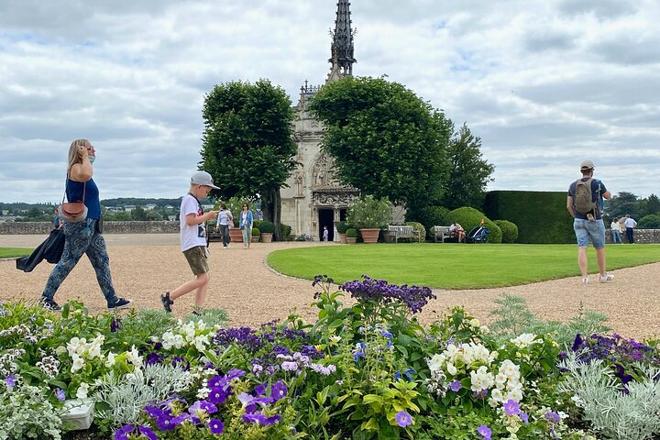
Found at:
[193, 241]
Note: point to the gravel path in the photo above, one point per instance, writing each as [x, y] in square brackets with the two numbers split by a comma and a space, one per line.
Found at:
[144, 266]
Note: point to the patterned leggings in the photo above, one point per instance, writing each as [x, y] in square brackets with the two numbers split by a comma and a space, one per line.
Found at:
[82, 238]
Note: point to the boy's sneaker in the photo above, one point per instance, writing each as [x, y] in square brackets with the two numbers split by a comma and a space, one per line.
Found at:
[605, 278]
[120, 303]
[585, 281]
[49, 304]
[167, 302]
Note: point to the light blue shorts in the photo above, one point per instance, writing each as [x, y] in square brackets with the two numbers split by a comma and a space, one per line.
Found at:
[587, 231]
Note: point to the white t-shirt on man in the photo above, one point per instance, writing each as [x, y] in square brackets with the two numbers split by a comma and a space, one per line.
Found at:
[194, 235]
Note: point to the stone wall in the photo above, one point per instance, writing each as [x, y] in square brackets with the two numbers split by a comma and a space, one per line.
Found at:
[162, 227]
[641, 236]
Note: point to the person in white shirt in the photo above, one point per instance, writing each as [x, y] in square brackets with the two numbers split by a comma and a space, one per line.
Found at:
[193, 241]
[615, 229]
[630, 225]
[225, 221]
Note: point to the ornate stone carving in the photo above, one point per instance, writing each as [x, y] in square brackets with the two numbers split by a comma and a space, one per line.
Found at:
[322, 172]
[298, 180]
[337, 199]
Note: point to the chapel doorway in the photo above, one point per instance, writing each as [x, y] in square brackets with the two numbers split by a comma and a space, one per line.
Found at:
[326, 218]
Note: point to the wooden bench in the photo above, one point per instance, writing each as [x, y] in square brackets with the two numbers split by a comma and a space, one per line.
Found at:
[403, 231]
[440, 232]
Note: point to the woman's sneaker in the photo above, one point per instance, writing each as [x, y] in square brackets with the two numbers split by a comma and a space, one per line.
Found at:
[605, 278]
[120, 303]
[167, 302]
[49, 304]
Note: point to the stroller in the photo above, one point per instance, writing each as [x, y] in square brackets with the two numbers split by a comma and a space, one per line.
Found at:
[478, 235]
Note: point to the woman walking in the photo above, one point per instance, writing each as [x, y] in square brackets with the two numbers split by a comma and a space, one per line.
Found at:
[83, 237]
[246, 221]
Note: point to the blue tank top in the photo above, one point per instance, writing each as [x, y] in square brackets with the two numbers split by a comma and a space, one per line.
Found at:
[74, 193]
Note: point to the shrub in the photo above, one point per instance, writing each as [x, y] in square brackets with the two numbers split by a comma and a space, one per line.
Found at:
[257, 224]
[541, 217]
[470, 218]
[266, 227]
[651, 221]
[342, 227]
[509, 231]
[418, 228]
[256, 232]
[285, 231]
[430, 216]
[369, 212]
[351, 232]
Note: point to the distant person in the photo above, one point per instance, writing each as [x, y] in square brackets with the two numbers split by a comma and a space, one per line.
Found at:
[83, 237]
[192, 232]
[57, 221]
[615, 229]
[457, 231]
[225, 220]
[630, 225]
[585, 197]
[325, 233]
[246, 222]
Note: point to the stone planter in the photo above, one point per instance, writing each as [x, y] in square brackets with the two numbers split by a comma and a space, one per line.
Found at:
[342, 238]
[78, 413]
[236, 235]
[351, 240]
[266, 237]
[370, 235]
[255, 239]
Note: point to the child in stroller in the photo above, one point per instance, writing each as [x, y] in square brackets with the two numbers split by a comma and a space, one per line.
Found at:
[479, 234]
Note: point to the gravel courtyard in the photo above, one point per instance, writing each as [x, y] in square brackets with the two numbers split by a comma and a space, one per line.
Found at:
[144, 266]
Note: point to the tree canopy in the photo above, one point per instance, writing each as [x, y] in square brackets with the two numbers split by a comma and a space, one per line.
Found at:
[386, 141]
[248, 145]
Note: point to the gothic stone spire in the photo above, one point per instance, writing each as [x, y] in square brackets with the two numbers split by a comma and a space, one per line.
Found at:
[342, 42]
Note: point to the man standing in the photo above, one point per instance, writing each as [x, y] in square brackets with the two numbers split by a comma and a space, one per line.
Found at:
[584, 203]
[225, 220]
[630, 224]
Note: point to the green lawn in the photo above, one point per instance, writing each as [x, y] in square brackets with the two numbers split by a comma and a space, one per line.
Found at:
[14, 252]
[452, 266]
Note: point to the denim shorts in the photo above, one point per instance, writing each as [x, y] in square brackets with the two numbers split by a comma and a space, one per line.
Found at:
[587, 231]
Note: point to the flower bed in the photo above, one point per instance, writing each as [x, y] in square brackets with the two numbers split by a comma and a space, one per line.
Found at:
[365, 371]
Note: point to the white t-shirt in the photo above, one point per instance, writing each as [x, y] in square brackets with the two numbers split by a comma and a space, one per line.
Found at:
[194, 235]
[224, 216]
[630, 223]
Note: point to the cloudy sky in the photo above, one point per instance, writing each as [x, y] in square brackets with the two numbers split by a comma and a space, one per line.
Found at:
[544, 83]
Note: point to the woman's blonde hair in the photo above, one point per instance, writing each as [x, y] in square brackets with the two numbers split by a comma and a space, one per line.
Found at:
[74, 157]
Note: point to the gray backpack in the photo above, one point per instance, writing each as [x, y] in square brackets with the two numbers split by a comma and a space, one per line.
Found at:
[584, 203]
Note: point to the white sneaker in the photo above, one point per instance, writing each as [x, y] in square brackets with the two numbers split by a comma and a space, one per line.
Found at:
[605, 278]
[585, 281]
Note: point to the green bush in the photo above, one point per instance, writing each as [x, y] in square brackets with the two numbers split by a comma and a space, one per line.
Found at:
[342, 227]
[430, 216]
[257, 224]
[418, 228]
[509, 231]
[541, 217]
[351, 232]
[266, 227]
[285, 231]
[470, 218]
[369, 212]
[256, 232]
[651, 221]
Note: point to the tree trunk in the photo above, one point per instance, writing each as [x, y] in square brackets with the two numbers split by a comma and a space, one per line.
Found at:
[272, 202]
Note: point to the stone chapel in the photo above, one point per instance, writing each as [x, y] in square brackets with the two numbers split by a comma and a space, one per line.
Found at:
[313, 198]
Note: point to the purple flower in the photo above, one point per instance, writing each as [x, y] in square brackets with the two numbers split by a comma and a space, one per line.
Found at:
[485, 432]
[259, 390]
[115, 325]
[261, 419]
[511, 408]
[403, 419]
[202, 405]
[524, 417]
[219, 395]
[216, 426]
[234, 373]
[147, 432]
[123, 432]
[153, 411]
[59, 394]
[369, 289]
[278, 390]
[153, 358]
[178, 361]
[290, 366]
[455, 386]
[165, 422]
[176, 421]
[10, 381]
[552, 417]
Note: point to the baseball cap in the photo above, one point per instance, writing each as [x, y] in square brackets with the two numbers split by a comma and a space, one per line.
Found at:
[587, 165]
[202, 178]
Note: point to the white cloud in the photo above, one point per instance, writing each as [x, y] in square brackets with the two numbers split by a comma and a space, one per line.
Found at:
[544, 84]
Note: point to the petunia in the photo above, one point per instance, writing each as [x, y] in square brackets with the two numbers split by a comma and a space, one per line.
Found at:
[59, 394]
[216, 426]
[403, 419]
[147, 432]
[455, 386]
[165, 423]
[278, 390]
[261, 419]
[218, 395]
[485, 432]
[123, 432]
[511, 408]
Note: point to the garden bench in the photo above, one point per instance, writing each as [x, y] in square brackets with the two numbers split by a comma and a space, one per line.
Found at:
[403, 231]
[440, 232]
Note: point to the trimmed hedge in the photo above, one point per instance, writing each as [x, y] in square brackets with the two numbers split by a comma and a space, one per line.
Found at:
[266, 227]
[541, 216]
[651, 221]
[470, 218]
[509, 231]
[419, 229]
[352, 232]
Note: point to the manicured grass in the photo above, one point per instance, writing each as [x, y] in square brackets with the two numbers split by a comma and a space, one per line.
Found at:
[14, 252]
[452, 266]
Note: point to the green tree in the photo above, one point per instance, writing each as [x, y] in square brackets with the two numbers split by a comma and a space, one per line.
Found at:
[247, 145]
[622, 204]
[139, 214]
[650, 206]
[386, 141]
[469, 173]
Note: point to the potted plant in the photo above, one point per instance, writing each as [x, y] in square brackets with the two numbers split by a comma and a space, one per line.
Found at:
[255, 235]
[342, 227]
[351, 235]
[267, 229]
[369, 215]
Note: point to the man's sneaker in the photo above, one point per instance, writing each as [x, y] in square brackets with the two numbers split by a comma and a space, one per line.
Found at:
[585, 281]
[167, 302]
[120, 303]
[49, 304]
[605, 278]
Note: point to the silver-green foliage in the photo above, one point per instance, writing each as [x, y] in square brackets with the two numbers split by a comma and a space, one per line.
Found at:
[123, 398]
[211, 317]
[25, 412]
[619, 416]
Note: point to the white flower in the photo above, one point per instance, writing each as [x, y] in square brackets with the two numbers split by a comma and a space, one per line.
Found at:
[435, 363]
[481, 379]
[201, 342]
[83, 389]
[78, 363]
[335, 339]
[525, 340]
[111, 360]
[134, 357]
[451, 369]
[60, 350]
